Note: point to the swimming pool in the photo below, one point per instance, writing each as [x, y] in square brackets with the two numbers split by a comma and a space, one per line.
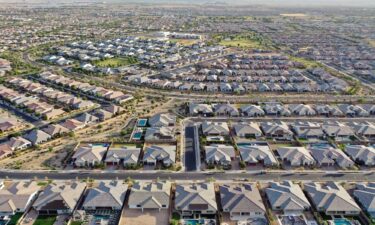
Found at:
[193, 222]
[342, 222]
[142, 123]
[137, 136]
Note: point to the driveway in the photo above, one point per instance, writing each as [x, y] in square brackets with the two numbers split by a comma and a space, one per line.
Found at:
[147, 217]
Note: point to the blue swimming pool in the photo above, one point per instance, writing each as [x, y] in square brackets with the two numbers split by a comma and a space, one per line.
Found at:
[192, 222]
[142, 123]
[137, 136]
[342, 222]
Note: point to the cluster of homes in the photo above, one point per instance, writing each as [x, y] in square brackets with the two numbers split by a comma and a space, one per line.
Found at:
[152, 53]
[242, 73]
[259, 153]
[31, 105]
[63, 98]
[278, 109]
[99, 92]
[4, 66]
[235, 201]
[9, 124]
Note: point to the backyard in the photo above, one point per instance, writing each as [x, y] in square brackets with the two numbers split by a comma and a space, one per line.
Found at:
[45, 220]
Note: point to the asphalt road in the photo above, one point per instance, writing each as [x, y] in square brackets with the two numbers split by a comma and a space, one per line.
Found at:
[190, 151]
[191, 176]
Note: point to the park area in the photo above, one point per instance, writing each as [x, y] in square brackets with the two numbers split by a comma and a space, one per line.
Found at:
[116, 62]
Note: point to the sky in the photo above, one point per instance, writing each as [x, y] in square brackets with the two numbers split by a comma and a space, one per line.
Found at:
[265, 2]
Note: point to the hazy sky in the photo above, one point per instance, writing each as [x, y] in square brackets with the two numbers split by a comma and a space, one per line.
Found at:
[267, 2]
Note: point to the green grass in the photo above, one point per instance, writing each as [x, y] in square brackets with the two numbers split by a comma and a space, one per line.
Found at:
[45, 220]
[14, 219]
[116, 62]
[76, 223]
[19, 66]
[307, 62]
[249, 40]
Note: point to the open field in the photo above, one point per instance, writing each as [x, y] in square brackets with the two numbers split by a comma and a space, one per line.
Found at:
[186, 42]
[116, 62]
[293, 15]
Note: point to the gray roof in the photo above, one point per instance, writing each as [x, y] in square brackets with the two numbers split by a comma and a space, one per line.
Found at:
[306, 128]
[219, 153]
[159, 133]
[241, 198]
[361, 153]
[328, 154]
[67, 193]
[273, 128]
[162, 119]
[226, 109]
[215, 128]
[89, 153]
[195, 197]
[17, 195]
[37, 136]
[297, 156]
[256, 153]
[55, 129]
[200, 108]
[127, 154]
[365, 193]
[331, 197]
[287, 196]
[150, 195]
[87, 118]
[243, 129]
[337, 129]
[106, 194]
[165, 153]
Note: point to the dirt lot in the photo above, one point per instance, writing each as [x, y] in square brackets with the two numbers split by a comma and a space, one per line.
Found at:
[147, 217]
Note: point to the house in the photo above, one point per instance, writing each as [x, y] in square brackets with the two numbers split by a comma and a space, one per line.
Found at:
[59, 198]
[195, 200]
[353, 110]
[126, 156]
[105, 195]
[5, 150]
[17, 196]
[73, 124]
[247, 130]
[331, 198]
[37, 137]
[217, 154]
[277, 130]
[55, 130]
[287, 197]
[329, 156]
[200, 109]
[18, 143]
[337, 129]
[308, 130]
[276, 109]
[296, 156]
[103, 114]
[160, 134]
[162, 120]
[150, 195]
[8, 124]
[87, 118]
[215, 128]
[255, 154]
[365, 129]
[165, 154]
[242, 201]
[225, 110]
[328, 110]
[365, 196]
[302, 110]
[89, 155]
[361, 154]
[252, 110]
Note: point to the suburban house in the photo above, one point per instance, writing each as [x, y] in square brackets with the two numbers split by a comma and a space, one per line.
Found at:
[17, 196]
[361, 154]
[87, 118]
[55, 130]
[247, 130]
[225, 110]
[195, 200]
[105, 195]
[165, 154]
[257, 154]
[218, 154]
[337, 130]
[276, 109]
[18, 143]
[353, 110]
[296, 156]
[89, 155]
[126, 156]
[242, 201]
[302, 110]
[364, 129]
[5, 150]
[160, 134]
[307, 130]
[162, 120]
[287, 197]
[252, 110]
[329, 156]
[365, 196]
[150, 195]
[200, 109]
[215, 128]
[59, 198]
[277, 130]
[328, 110]
[331, 198]
[37, 137]
[73, 124]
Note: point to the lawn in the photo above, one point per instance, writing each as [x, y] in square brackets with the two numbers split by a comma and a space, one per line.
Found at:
[185, 42]
[245, 40]
[116, 62]
[14, 219]
[45, 220]
[76, 223]
[308, 63]
[242, 43]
